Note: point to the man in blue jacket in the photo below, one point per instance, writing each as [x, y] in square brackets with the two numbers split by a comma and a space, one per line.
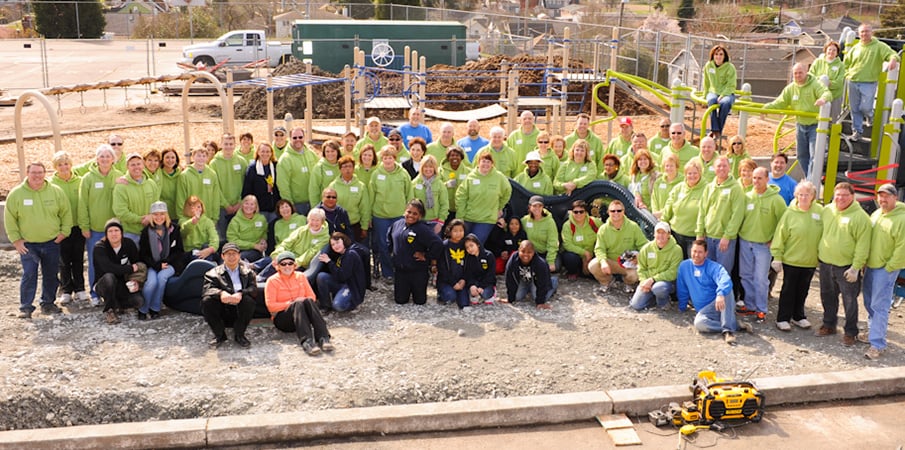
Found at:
[706, 284]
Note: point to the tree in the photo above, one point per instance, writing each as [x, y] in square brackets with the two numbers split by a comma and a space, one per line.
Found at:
[79, 19]
[685, 12]
[893, 21]
[175, 24]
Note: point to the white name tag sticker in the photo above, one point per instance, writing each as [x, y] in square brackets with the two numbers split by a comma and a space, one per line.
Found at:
[518, 142]
[725, 191]
[750, 206]
[293, 226]
[258, 224]
[462, 176]
[651, 255]
[579, 238]
[381, 177]
[662, 185]
[529, 225]
[353, 189]
[237, 167]
[206, 180]
[99, 185]
[28, 202]
[304, 170]
[475, 182]
[697, 273]
[845, 220]
[584, 169]
[419, 187]
[328, 173]
[815, 216]
[537, 184]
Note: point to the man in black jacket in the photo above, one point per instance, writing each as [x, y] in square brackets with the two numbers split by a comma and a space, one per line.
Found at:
[228, 297]
[526, 272]
[116, 266]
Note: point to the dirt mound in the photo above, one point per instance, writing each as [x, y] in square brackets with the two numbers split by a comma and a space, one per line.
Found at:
[453, 88]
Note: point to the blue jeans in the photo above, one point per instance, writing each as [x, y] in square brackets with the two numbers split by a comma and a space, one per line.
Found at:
[727, 258]
[525, 288]
[754, 268]
[92, 241]
[709, 320]
[154, 287]
[481, 230]
[805, 141]
[223, 223]
[659, 291]
[332, 294]
[47, 255]
[719, 115]
[861, 102]
[381, 227]
[487, 294]
[878, 288]
[303, 208]
[447, 294]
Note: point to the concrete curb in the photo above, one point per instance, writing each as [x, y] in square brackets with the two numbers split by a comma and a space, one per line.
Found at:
[450, 416]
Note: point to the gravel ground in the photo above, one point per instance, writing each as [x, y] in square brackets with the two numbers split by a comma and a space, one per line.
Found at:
[73, 369]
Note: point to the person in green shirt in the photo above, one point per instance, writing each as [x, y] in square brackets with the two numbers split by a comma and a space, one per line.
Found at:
[72, 249]
[115, 142]
[390, 190]
[352, 194]
[830, 64]
[248, 230]
[611, 171]
[642, 178]
[542, 231]
[367, 162]
[681, 210]
[549, 160]
[280, 142]
[658, 143]
[230, 169]
[439, 147]
[579, 235]
[522, 140]
[679, 146]
[667, 179]
[305, 242]
[168, 178]
[719, 88]
[286, 222]
[614, 238]
[132, 198]
[429, 187]
[533, 177]
[707, 157]
[373, 135]
[481, 197]
[326, 170]
[583, 131]
[96, 205]
[201, 180]
[577, 172]
[863, 64]
[247, 147]
[37, 218]
[505, 160]
[454, 168]
[199, 234]
[806, 94]
[294, 172]
[736, 153]
[658, 267]
[621, 145]
[720, 215]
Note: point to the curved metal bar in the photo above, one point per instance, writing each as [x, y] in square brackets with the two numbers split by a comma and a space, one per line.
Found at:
[20, 138]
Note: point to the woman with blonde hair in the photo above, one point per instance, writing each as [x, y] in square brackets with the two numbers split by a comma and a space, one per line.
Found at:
[72, 248]
[428, 187]
[577, 171]
[642, 177]
[160, 248]
[736, 152]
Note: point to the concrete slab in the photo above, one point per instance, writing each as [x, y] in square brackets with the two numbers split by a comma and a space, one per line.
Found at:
[640, 401]
[188, 433]
[821, 387]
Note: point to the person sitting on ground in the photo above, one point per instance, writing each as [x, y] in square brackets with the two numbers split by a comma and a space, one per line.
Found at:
[306, 242]
[412, 245]
[341, 285]
[505, 239]
[286, 222]
[228, 297]
[160, 248]
[533, 178]
[705, 284]
[614, 238]
[579, 235]
[480, 273]
[542, 231]
[116, 259]
[527, 273]
[451, 266]
[199, 234]
[658, 266]
[293, 307]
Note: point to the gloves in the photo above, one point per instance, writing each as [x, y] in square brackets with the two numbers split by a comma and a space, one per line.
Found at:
[851, 275]
[776, 266]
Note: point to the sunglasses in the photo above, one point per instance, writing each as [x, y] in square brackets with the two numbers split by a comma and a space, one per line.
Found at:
[736, 143]
[614, 211]
[395, 139]
[543, 142]
[116, 144]
[330, 196]
[676, 132]
[279, 134]
[287, 263]
[664, 126]
[298, 138]
[579, 211]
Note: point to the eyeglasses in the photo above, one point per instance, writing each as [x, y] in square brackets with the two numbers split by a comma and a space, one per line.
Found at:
[116, 144]
[676, 132]
[664, 126]
[287, 263]
[614, 211]
[543, 142]
[330, 196]
[279, 134]
[395, 139]
[298, 138]
[579, 211]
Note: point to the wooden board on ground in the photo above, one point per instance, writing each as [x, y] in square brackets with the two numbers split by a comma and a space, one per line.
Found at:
[487, 112]
[11, 101]
[388, 103]
[620, 429]
[202, 89]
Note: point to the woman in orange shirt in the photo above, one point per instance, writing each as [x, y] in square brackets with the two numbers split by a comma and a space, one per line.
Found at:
[293, 306]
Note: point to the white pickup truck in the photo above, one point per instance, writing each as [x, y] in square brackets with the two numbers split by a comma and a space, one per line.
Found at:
[240, 47]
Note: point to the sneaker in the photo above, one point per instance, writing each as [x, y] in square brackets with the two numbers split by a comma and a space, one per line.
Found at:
[24, 315]
[50, 308]
[111, 318]
[628, 289]
[729, 338]
[65, 299]
[857, 136]
[474, 301]
[325, 345]
[216, 342]
[154, 314]
[81, 296]
[760, 317]
[744, 311]
[739, 304]
[142, 316]
[490, 301]
[825, 331]
[604, 288]
[847, 340]
[96, 302]
[803, 323]
[311, 349]
[873, 353]
[746, 327]
[783, 326]
[544, 306]
[572, 276]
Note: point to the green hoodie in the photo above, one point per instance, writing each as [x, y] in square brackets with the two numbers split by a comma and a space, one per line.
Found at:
[579, 238]
[453, 179]
[551, 164]
[864, 62]
[378, 144]
[719, 80]
[441, 197]
[613, 242]
[540, 184]
[230, 175]
[37, 215]
[205, 185]
[762, 214]
[71, 189]
[618, 146]
[661, 191]
[305, 244]
[96, 199]
[354, 198]
[580, 174]
[684, 154]
[438, 150]
[681, 210]
[594, 141]
[169, 184]
[801, 98]
[282, 228]
[294, 174]
[132, 201]
[797, 236]
[640, 185]
[196, 236]
[521, 144]
[656, 145]
[245, 232]
[323, 173]
[846, 236]
[708, 173]
[390, 192]
[722, 209]
[505, 160]
[834, 70]
[661, 264]
[480, 198]
[887, 242]
[543, 234]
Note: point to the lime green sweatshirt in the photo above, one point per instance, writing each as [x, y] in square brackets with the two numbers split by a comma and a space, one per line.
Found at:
[864, 62]
[801, 98]
[205, 185]
[294, 174]
[594, 142]
[304, 243]
[246, 232]
[132, 201]
[661, 264]
[390, 192]
[37, 215]
[480, 198]
[169, 184]
[681, 211]
[580, 174]
[887, 242]
[196, 236]
[797, 235]
[719, 80]
[96, 199]
[521, 143]
[440, 194]
[230, 176]
[846, 236]
[543, 234]
[612, 241]
[354, 198]
[70, 187]
[579, 238]
[283, 228]
[722, 209]
[834, 70]
[683, 154]
[662, 188]
[453, 179]
[539, 184]
[323, 173]
[505, 160]
[762, 215]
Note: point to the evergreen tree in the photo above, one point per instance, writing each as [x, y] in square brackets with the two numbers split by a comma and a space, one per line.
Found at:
[893, 18]
[685, 12]
[61, 20]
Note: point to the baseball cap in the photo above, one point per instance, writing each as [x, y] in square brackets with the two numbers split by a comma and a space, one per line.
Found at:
[533, 156]
[132, 156]
[229, 247]
[279, 129]
[662, 226]
[158, 207]
[372, 119]
[285, 255]
[625, 121]
[888, 188]
[536, 199]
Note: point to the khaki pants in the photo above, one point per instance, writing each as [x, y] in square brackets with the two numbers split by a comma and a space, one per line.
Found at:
[629, 276]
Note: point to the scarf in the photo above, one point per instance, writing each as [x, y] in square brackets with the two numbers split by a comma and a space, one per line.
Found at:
[429, 193]
[160, 243]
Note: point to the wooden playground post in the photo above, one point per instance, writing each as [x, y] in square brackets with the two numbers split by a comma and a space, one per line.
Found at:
[614, 52]
[229, 120]
[360, 88]
[407, 69]
[512, 97]
[422, 82]
[270, 104]
[347, 98]
[309, 103]
[416, 65]
[504, 90]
